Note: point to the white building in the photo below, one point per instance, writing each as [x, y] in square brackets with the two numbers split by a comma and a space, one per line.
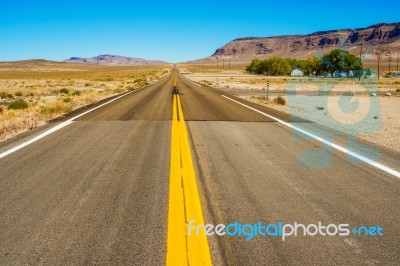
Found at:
[296, 72]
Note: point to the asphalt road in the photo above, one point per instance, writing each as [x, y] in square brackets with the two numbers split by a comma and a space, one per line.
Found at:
[96, 191]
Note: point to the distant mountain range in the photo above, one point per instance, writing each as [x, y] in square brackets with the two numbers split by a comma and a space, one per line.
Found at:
[113, 60]
[380, 36]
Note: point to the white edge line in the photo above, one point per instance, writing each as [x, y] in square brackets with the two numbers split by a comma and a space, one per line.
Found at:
[68, 122]
[190, 80]
[333, 145]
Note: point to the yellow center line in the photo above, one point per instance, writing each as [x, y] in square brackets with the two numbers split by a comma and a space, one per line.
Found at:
[184, 200]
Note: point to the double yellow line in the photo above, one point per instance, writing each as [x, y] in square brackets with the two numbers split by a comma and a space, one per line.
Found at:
[184, 200]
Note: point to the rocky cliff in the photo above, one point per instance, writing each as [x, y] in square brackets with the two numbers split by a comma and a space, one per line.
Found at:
[379, 36]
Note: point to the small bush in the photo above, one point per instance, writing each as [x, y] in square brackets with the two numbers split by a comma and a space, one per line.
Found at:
[138, 80]
[47, 110]
[261, 98]
[1, 109]
[18, 104]
[66, 100]
[10, 96]
[19, 94]
[88, 84]
[64, 90]
[397, 90]
[280, 100]
[76, 93]
[31, 94]
[3, 95]
[118, 90]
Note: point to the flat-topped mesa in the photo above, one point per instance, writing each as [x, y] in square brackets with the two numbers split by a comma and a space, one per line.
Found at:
[111, 60]
[384, 36]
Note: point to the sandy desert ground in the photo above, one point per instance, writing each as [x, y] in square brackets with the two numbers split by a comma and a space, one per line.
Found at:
[50, 90]
[375, 119]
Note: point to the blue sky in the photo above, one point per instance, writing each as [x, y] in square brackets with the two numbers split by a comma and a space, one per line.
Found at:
[173, 30]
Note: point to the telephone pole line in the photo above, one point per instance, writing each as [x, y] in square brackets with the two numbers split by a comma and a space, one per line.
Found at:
[378, 55]
[389, 56]
[362, 70]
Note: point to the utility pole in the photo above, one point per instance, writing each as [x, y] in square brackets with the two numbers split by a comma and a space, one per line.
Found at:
[378, 55]
[267, 91]
[362, 70]
[389, 56]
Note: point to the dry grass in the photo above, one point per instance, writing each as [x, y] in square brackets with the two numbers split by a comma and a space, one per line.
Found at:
[52, 89]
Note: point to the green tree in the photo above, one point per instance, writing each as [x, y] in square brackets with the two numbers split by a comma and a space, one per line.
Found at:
[340, 60]
[273, 66]
[314, 66]
[279, 67]
[253, 67]
[336, 60]
[353, 63]
[264, 67]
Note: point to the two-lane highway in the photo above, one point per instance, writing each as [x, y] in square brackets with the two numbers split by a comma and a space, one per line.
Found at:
[97, 191]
